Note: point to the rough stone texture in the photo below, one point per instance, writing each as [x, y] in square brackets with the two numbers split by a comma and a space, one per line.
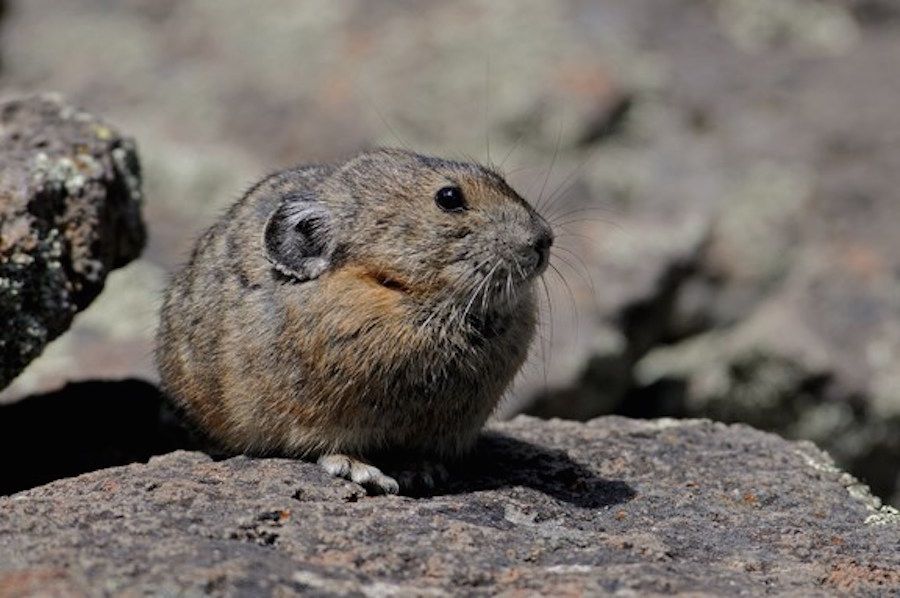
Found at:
[797, 292]
[724, 178]
[783, 311]
[70, 196]
[556, 508]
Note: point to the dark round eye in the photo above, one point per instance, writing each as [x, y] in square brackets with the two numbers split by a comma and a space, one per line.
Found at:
[450, 199]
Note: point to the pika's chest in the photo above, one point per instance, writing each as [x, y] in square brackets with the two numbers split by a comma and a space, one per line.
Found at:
[348, 328]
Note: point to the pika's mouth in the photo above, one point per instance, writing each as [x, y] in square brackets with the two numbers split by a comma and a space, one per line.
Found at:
[388, 280]
[391, 282]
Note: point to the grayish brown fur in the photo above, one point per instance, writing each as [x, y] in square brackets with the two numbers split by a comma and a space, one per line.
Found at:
[338, 309]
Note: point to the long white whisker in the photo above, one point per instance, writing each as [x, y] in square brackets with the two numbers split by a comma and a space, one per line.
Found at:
[477, 290]
[584, 275]
[571, 294]
[484, 295]
[544, 342]
[550, 170]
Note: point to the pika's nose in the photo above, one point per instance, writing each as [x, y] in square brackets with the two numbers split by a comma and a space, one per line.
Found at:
[542, 245]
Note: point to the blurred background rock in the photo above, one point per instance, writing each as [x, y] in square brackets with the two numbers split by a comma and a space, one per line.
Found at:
[724, 176]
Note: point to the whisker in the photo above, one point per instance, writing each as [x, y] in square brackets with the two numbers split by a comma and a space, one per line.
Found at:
[544, 344]
[448, 303]
[477, 290]
[585, 276]
[579, 240]
[565, 184]
[509, 153]
[484, 295]
[518, 169]
[579, 260]
[579, 210]
[570, 292]
[384, 121]
[595, 221]
[566, 231]
[550, 170]
[487, 110]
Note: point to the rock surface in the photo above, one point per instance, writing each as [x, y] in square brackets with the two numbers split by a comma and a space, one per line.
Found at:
[725, 178]
[556, 508]
[70, 195]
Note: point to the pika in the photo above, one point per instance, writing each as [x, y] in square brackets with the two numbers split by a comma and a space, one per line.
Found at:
[364, 310]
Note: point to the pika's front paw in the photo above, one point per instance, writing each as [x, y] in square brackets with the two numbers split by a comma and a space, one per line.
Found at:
[368, 476]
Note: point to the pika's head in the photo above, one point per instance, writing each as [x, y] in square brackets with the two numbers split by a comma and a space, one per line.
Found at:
[436, 230]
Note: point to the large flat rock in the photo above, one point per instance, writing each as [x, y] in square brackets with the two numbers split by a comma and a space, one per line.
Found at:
[558, 508]
[70, 196]
[725, 179]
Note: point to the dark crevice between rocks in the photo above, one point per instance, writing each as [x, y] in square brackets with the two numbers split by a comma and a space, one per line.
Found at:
[879, 465]
[648, 322]
[876, 13]
[607, 379]
[84, 427]
[603, 382]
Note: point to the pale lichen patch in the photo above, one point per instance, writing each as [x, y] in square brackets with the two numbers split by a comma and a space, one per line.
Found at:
[881, 514]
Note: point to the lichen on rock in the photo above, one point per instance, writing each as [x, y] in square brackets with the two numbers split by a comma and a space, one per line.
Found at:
[70, 198]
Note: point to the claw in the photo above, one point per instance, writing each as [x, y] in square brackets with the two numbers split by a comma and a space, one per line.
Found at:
[359, 472]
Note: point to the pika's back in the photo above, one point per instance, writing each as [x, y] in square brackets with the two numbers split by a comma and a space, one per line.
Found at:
[384, 303]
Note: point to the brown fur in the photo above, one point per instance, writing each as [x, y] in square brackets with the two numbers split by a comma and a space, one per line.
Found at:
[384, 350]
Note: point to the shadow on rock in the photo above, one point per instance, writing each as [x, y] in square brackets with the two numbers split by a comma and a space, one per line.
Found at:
[501, 461]
[84, 427]
[92, 425]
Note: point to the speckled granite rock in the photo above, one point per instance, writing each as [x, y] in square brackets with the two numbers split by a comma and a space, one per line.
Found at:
[556, 508]
[725, 176]
[70, 195]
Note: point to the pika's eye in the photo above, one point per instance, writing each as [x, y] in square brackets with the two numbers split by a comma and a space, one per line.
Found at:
[450, 199]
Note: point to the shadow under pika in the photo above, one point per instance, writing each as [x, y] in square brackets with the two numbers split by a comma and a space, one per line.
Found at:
[92, 425]
[501, 461]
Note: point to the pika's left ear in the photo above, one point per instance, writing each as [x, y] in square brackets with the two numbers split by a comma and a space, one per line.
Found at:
[298, 238]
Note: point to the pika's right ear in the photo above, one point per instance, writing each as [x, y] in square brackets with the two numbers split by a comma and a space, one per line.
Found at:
[298, 238]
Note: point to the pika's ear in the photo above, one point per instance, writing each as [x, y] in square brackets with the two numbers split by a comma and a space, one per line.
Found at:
[298, 238]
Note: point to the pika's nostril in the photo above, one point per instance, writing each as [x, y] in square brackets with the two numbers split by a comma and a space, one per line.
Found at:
[543, 243]
[542, 247]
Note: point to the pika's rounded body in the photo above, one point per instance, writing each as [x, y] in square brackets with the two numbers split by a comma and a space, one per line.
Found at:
[349, 310]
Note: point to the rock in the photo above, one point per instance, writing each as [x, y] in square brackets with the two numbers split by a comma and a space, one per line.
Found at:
[785, 311]
[779, 371]
[799, 286]
[610, 506]
[70, 195]
[724, 176]
[3, 8]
